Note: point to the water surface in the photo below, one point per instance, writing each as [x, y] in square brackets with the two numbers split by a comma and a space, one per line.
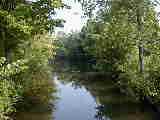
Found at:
[82, 96]
[74, 103]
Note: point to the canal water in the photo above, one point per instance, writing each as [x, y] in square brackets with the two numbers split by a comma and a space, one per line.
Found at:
[74, 103]
[82, 96]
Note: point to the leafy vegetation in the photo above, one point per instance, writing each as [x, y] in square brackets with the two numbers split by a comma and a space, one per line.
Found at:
[123, 37]
[25, 47]
[11, 91]
[71, 49]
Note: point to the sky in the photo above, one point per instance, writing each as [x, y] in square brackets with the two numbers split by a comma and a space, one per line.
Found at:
[73, 17]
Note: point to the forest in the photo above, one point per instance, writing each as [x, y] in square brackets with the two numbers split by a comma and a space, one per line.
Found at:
[121, 40]
[26, 45]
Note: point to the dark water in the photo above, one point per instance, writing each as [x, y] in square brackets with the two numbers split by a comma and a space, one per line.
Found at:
[82, 96]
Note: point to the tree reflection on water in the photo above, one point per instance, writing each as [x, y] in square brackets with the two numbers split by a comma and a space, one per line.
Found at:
[111, 103]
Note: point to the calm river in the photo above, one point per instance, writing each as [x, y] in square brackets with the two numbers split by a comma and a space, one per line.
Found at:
[81, 96]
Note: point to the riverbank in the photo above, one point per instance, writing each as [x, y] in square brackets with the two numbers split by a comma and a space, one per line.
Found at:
[110, 102]
[26, 82]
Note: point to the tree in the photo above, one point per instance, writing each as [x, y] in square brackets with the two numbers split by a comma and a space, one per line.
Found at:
[21, 23]
[138, 17]
[11, 33]
[17, 27]
[129, 39]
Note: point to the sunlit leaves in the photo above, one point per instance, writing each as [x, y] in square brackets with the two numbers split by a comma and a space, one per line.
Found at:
[9, 94]
[20, 22]
[8, 70]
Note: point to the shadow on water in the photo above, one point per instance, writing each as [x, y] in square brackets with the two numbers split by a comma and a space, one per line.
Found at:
[111, 104]
[84, 96]
[40, 104]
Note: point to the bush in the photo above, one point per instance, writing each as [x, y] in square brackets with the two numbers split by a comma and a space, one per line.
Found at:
[27, 83]
[10, 92]
[38, 85]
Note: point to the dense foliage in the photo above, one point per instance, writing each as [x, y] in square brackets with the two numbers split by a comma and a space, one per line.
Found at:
[119, 32]
[120, 37]
[11, 89]
[123, 36]
[24, 37]
[71, 49]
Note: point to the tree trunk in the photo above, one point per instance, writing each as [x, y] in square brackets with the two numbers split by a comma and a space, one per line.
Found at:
[141, 61]
[4, 51]
[2, 44]
[8, 55]
[140, 22]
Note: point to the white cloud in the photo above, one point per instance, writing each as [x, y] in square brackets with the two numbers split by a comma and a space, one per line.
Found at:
[73, 17]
